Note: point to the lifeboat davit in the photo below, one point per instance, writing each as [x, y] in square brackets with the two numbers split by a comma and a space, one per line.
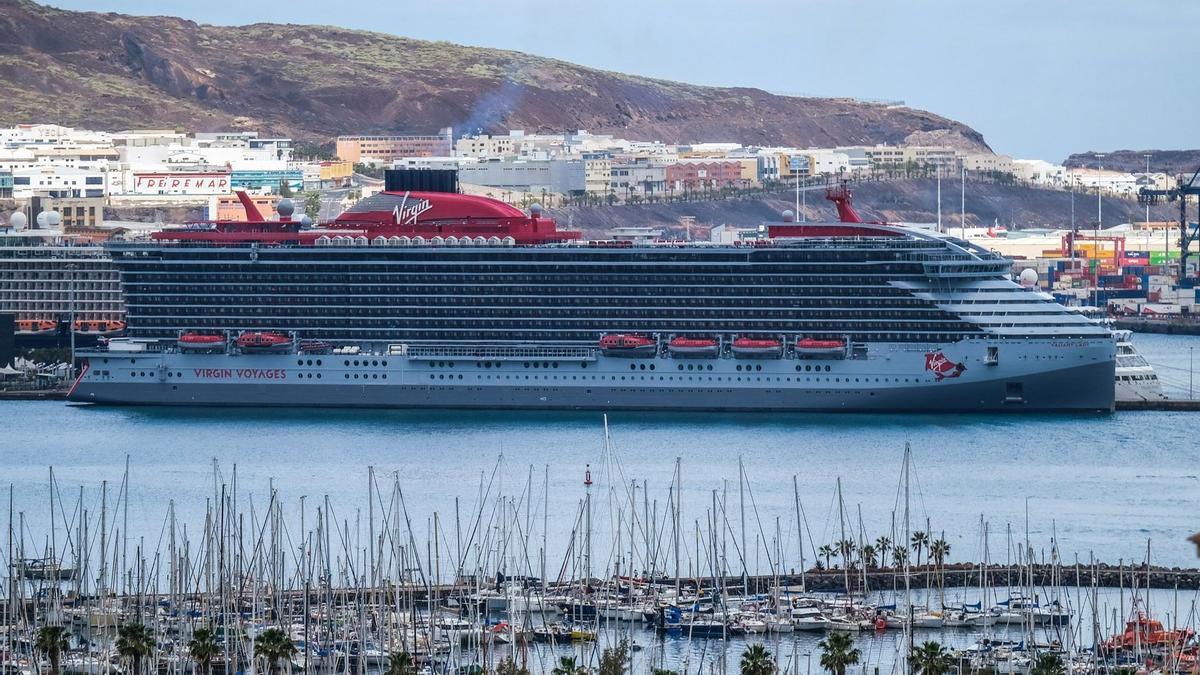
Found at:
[264, 343]
[628, 346]
[826, 349]
[102, 327]
[200, 342]
[756, 348]
[36, 327]
[315, 347]
[694, 348]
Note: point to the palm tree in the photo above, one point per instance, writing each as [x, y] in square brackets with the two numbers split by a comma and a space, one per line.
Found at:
[52, 641]
[401, 663]
[883, 545]
[930, 659]
[837, 652]
[203, 649]
[938, 550]
[568, 666]
[826, 552]
[845, 549]
[868, 556]
[899, 555]
[274, 646]
[510, 667]
[919, 541]
[756, 660]
[135, 642]
[1048, 663]
[613, 660]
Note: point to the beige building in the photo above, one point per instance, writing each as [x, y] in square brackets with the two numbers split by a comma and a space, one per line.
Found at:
[357, 149]
[888, 156]
[485, 146]
[988, 163]
[597, 172]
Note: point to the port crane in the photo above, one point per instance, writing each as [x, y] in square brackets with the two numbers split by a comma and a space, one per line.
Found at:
[1188, 233]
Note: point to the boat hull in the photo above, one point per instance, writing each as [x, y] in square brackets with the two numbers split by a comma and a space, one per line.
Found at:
[1069, 376]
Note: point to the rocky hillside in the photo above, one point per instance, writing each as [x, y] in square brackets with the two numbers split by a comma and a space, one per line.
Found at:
[1134, 161]
[112, 71]
[913, 201]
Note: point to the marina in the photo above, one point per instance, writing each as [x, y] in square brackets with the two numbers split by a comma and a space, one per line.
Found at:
[1085, 553]
[684, 576]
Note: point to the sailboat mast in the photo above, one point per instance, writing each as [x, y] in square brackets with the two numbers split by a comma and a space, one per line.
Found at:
[908, 622]
[799, 531]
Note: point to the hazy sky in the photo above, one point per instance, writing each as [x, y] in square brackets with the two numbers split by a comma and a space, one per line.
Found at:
[1039, 78]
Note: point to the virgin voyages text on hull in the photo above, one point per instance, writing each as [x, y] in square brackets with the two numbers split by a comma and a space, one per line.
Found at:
[436, 299]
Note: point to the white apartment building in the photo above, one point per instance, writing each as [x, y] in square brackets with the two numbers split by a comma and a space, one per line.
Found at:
[60, 181]
[1040, 172]
[641, 176]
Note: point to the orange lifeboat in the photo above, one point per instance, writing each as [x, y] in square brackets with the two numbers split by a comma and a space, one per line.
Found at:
[103, 327]
[1146, 633]
[264, 343]
[821, 349]
[625, 345]
[694, 348]
[36, 327]
[755, 348]
[201, 343]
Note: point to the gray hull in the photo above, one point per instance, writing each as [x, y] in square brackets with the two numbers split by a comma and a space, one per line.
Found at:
[1023, 377]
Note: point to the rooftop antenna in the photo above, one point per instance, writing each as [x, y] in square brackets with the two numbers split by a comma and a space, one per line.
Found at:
[962, 213]
[939, 199]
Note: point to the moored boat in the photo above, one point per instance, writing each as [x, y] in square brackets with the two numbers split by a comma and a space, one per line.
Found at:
[264, 342]
[201, 342]
[757, 348]
[628, 346]
[1146, 633]
[694, 348]
[103, 327]
[821, 348]
[36, 327]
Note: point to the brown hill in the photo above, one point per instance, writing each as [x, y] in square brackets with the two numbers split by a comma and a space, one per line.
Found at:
[913, 201]
[1134, 161]
[112, 71]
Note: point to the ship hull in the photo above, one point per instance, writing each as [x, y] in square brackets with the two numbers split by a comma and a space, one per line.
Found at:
[1033, 376]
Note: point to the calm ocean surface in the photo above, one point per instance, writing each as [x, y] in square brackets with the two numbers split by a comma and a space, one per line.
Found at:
[1105, 484]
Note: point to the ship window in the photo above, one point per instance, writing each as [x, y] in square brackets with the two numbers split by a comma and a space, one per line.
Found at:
[318, 362]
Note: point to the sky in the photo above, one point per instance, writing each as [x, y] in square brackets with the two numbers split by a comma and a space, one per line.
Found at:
[1039, 78]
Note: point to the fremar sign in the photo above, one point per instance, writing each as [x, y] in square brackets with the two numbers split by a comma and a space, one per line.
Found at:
[181, 183]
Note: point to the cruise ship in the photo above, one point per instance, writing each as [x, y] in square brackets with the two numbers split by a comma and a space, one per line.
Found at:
[45, 279]
[428, 298]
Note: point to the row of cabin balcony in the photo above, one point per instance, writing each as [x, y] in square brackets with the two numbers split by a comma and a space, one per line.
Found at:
[346, 240]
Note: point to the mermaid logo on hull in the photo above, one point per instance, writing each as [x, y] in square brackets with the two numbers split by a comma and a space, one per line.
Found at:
[942, 367]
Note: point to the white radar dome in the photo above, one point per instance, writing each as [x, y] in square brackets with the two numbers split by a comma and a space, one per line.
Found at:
[18, 221]
[1028, 278]
[285, 208]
